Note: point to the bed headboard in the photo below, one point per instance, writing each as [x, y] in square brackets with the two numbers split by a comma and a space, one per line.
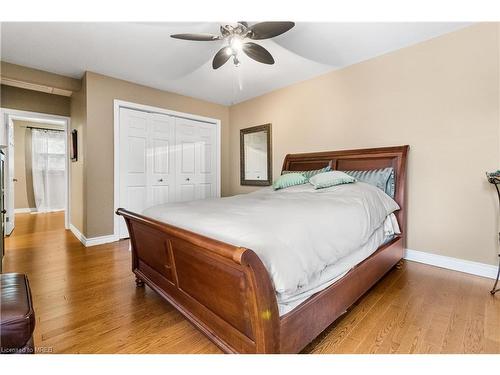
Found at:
[362, 159]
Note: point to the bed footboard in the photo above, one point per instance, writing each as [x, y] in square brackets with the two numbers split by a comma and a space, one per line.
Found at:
[224, 290]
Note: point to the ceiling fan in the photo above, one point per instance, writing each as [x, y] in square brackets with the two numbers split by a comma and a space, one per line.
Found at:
[236, 36]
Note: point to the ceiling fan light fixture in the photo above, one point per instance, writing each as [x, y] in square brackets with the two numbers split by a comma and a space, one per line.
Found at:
[236, 43]
[236, 35]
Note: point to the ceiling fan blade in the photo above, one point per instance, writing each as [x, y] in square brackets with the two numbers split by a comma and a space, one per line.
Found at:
[258, 53]
[196, 37]
[221, 57]
[265, 30]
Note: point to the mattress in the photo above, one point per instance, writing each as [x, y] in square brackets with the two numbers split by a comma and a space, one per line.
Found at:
[384, 234]
[304, 237]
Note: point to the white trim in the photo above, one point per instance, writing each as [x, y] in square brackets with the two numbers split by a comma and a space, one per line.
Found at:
[147, 108]
[8, 114]
[24, 210]
[34, 86]
[117, 104]
[35, 212]
[94, 241]
[77, 234]
[45, 117]
[461, 265]
[116, 166]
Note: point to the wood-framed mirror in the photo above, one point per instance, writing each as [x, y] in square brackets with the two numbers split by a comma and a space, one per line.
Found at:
[256, 156]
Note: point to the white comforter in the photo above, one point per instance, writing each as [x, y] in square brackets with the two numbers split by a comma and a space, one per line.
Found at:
[297, 232]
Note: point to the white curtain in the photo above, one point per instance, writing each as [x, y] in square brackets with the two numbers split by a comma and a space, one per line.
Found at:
[48, 165]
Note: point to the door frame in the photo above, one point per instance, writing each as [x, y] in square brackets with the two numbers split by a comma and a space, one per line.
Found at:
[117, 105]
[7, 116]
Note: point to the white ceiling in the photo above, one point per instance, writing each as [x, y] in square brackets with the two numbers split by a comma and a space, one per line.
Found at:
[144, 53]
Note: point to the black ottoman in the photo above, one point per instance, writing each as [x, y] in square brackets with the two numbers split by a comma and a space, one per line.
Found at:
[17, 318]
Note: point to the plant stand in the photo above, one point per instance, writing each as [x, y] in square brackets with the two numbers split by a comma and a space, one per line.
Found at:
[495, 289]
[494, 178]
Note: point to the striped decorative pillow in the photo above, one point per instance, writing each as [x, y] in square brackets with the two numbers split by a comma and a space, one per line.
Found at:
[332, 178]
[309, 174]
[382, 178]
[289, 179]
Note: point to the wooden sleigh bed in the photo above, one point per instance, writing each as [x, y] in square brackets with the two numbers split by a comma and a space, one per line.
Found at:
[226, 292]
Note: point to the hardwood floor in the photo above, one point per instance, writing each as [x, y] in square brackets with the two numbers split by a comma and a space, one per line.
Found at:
[86, 302]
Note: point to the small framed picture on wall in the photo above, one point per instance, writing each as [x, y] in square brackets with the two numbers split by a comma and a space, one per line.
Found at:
[74, 145]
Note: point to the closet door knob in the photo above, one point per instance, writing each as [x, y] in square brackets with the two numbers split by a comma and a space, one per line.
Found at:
[187, 179]
[160, 180]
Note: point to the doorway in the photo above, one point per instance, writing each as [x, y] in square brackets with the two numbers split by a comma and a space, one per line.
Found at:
[37, 165]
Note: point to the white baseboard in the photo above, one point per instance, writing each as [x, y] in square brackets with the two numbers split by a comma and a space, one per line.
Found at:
[93, 241]
[33, 211]
[461, 265]
[77, 233]
[24, 210]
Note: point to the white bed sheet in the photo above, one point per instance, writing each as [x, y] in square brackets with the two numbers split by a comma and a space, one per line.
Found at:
[297, 232]
[334, 272]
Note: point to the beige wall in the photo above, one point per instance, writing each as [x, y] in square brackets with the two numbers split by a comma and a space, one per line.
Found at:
[34, 101]
[441, 97]
[31, 100]
[78, 182]
[23, 188]
[22, 136]
[101, 91]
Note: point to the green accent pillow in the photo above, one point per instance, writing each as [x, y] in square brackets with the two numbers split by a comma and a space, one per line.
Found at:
[289, 179]
[327, 179]
[309, 174]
